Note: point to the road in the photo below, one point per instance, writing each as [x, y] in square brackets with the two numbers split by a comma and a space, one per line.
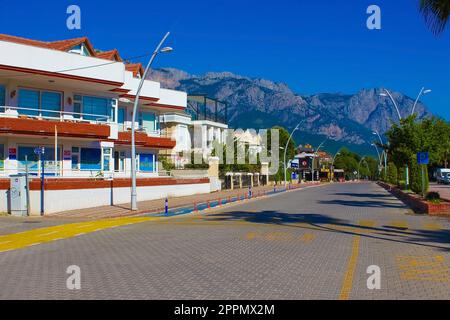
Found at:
[314, 243]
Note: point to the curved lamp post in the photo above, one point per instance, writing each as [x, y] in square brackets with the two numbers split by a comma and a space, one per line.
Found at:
[285, 151]
[388, 94]
[312, 167]
[423, 91]
[359, 165]
[133, 121]
[384, 151]
[332, 162]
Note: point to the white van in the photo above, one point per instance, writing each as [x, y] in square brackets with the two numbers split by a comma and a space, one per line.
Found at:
[443, 175]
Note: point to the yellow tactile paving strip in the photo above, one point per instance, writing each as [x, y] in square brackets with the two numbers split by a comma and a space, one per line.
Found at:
[43, 235]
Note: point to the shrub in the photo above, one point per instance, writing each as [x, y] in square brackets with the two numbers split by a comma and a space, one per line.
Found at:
[416, 177]
[433, 196]
[392, 173]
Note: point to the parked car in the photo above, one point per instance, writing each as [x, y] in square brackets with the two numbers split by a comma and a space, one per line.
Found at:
[443, 176]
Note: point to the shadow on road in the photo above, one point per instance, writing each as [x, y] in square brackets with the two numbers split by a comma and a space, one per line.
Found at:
[439, 239]
[365, 203]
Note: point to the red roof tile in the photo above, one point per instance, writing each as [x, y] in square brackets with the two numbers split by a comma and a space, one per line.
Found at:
[135, 68]
[112, 55]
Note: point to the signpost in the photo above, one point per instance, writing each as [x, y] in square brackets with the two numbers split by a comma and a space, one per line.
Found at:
[40, 151]
[423, 158]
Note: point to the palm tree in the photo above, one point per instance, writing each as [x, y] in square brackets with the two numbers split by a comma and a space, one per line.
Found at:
[436, 14]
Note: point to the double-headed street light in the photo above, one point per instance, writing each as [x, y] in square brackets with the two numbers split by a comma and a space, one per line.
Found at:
[383, 153]
[133, 121]
[423, 91]
[285, 151]
[379, 156]
[386, 93]
[316, 152]
[332, 162]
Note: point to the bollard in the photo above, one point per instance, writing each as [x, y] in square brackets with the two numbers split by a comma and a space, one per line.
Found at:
[208, 204]
[166, 207]
[220, 202]
[195, 207]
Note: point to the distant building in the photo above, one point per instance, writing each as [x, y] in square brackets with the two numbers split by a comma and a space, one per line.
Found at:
[195, 128]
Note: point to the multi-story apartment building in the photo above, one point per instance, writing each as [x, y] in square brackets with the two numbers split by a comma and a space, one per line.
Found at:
[77, 102]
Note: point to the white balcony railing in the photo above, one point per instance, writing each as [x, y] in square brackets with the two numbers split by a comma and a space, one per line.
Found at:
[57, 115]
[123, 127]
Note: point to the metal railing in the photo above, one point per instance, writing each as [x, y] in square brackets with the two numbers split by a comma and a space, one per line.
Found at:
[58, 115]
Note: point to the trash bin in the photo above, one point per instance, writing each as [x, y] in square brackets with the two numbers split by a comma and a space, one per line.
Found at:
[18, 195]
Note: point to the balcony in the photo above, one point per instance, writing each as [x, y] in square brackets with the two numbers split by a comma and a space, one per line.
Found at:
[44, 122]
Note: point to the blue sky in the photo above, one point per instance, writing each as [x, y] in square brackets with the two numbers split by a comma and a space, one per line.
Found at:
[313, 46]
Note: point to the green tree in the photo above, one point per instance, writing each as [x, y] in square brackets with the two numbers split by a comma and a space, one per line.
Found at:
[392, 173]
[283, 135]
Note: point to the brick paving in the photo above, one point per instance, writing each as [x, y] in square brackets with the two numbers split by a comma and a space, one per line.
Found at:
[294, 245]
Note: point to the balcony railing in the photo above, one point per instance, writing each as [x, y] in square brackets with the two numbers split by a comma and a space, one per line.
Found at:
[123, 127]
[15, 112]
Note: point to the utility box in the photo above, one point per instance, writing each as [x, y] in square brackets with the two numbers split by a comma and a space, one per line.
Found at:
[18, 195]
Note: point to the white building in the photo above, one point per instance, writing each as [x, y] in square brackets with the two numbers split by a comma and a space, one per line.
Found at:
[77, 103]
[196, 128]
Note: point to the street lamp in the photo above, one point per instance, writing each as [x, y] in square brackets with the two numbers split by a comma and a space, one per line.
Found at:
[133, 121]
[285, 150]
[379, 156]
[388, 94]
[423, 91]
[384, 152]
[332, 162]
[317, 151]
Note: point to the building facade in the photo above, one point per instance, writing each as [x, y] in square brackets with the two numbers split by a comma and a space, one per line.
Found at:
[76, 102]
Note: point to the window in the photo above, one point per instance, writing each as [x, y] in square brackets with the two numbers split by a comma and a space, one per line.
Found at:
[94, 108]
[121, 115]
[146, 162]
[2, 98]
[41, 103]
[90, 159]
[148, 121]
[80, 49]
[106, 159]
[75, 158]
[119, 161]
[26, 156]
[2, 157]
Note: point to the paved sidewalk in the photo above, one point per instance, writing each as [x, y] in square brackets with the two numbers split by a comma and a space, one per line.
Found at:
[155, 206]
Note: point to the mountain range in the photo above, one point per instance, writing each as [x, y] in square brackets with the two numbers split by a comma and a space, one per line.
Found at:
[346, 119]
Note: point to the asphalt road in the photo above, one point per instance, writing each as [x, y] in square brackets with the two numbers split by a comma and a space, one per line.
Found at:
[314, 243]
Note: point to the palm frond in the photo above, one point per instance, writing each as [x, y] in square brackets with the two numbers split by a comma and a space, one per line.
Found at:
[436, 14]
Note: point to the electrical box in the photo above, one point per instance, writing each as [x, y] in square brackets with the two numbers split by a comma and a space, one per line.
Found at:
[18, 195]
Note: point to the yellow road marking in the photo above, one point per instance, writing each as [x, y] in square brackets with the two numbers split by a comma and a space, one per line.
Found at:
[48, 234]
[432, 226]
[351, 267]
[400, 224]
[367, 223]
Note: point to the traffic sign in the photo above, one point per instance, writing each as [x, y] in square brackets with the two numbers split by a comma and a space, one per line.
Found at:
[423, 158]
[294, 165]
